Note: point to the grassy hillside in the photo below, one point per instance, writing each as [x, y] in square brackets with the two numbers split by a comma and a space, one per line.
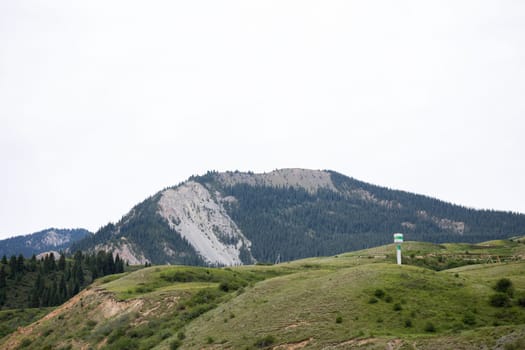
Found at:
[356, 300]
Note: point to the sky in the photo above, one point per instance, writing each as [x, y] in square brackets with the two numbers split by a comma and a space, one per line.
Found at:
[104, 103]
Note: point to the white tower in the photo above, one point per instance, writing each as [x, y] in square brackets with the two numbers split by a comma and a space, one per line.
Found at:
[398, 238]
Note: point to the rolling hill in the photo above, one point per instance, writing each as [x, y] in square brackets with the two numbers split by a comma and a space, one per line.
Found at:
[233, 218]
[357, 300]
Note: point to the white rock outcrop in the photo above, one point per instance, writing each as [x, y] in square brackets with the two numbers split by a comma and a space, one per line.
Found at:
[200, 218]
[310, 180]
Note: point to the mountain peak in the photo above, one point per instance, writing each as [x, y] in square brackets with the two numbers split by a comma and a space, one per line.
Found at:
[310, 180]
[236, 217]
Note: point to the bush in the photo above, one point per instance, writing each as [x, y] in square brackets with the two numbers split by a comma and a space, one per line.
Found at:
[25, 343]
[372, 300]
[469, 319]
[500, 300]
[397, 307]
[181, 335]
[338, 319]
[429, 327]
[408, 323]
[504, 285]
[266, 341]
[388, 299]
[123, 343]
[209, 340]
[174, 345]
[521, 301]
[379, 293]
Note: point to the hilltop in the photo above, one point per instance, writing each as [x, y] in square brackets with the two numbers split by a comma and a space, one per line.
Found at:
[233, 218]
[357, 300]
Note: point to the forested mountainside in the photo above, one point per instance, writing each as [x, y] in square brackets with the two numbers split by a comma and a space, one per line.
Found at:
[233, 217]
[51, 239]
[52, 280]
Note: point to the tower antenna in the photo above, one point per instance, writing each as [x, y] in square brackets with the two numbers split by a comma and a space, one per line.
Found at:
[398, 238]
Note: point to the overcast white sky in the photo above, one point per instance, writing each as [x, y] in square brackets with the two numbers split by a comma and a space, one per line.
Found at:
[103, 103]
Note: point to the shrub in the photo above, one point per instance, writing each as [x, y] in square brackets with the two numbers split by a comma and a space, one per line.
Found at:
[124, 343]
[429, 327]
[500, 300]
[181, 335]
[372, 300]
[469, 319]
[165, 335]
[115, 335]
[264, 342]
[521, 301]
[388, 299]
[397, 307]
[224, 286]
[408, 323]
[504, 285]
[24, 343]
[174, 345]
[338, 319]
[209, 340]
[379, 293]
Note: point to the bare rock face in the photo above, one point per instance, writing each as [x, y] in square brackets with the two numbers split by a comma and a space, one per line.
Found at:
[310, 180]
[200, 218]
[126, 252]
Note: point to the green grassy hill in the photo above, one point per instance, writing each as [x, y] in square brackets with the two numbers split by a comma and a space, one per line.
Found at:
[358, 300]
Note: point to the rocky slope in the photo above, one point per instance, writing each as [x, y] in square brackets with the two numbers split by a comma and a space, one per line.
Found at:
[234, 218]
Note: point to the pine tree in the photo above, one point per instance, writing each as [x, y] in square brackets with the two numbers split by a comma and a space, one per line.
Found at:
[32, 263]
[38, 287]
[52, 263]
[3, 285]
[3, 275]
[119, 264]
[62, 262]
[78, 274]
[20, 263]
[62, 289]
[12, 267]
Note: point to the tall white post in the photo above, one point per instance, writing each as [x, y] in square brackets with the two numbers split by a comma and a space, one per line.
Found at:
[398, 238]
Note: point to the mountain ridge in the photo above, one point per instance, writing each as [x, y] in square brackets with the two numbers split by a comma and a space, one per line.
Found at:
[51, 239]
[231, 218]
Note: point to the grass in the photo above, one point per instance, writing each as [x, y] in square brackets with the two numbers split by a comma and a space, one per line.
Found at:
[434, 302]
[320, 302]
[10, 320]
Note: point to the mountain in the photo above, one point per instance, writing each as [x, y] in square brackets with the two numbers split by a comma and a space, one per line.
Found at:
[357, 300]
[52, 239]
[236, 218]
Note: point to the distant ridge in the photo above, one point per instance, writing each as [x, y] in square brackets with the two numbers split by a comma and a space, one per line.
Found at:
[231, 218]
[51, 239]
